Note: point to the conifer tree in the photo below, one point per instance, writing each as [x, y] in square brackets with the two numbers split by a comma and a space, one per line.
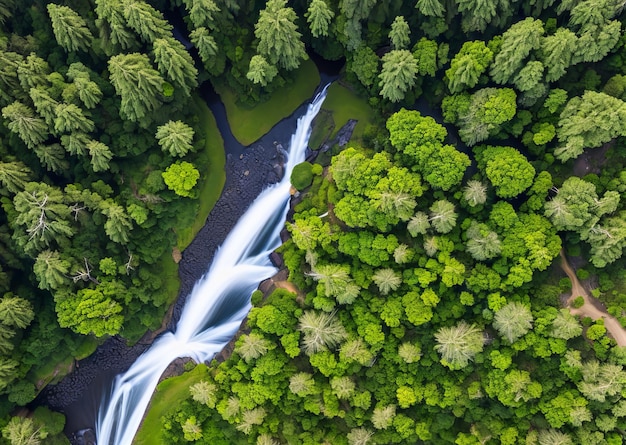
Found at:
[145, 20]
[175, 64]
[260, 71]
[175, 138]
[319, 16]
[22, 121]
[398, 74]
[70, 30]
[139, 85]
[279, 39]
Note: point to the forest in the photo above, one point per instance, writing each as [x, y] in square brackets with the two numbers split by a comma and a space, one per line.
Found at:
[430, 303]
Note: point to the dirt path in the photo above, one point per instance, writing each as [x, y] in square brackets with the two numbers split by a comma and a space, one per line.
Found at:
[591, 306]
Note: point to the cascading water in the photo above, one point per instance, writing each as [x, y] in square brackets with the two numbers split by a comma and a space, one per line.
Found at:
[218, 303]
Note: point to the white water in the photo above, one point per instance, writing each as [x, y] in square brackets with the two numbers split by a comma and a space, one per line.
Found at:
[218, 303]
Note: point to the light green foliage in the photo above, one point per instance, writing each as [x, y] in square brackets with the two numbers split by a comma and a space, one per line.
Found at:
[321, 331]
[529, 77]
[400, 33]
[557, 52]
[204, 392]
[51, 270]
[206, 45]
[302, 384]
[487, 110]
[23, 431]
[507, 169]
[475, 193]
[383, 416]
[137, 83]
[14, 176]
[601, 380]
[319, 16]
[468, 65]
[100, 155]
[513, 321]
[365, 64]
[443, 216]
[22, 121]
[482, 243]
[589, 121]
[201, 12]
[279, 39]
[387, 280]
[517, 43]
[118, 224]
[90, 311]
[175, 138]
[459, 344]
[175, 64]
[420, 138]
[359, 436]
[430, 8]
[15, 312]
[260, 70]
[398, 74]
[252, 346]
[426, 52]
[145, 20]
[565, 326]
[181, 177]
[70, 30]
[43, 218]
[336, 282]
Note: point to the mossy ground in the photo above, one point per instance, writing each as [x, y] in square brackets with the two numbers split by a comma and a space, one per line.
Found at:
[341, 105]
[249, 124]
[168, 395]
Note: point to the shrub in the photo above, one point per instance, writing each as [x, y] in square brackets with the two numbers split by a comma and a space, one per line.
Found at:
[302, 175]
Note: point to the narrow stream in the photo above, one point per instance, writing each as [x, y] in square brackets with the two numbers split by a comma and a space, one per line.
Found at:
[216, 306]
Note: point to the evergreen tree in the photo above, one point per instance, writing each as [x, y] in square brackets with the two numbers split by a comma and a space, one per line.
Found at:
[70, 30]
[15, 312]
[468, 65]
[113, 27]
[513, 321]
[400, 33]
[398, 74]
[175, 138]
[458, 344]
[205, 43]
[557, 52]
[319, 16]
[430, 8]
[387, 280]
[100, 155]
[145, 20]
[279, 39]
[22, 121]
[14, 176]
[23, 431]
[261, 71]
[321, 331]
[175, 63]
[137, 83]
[51, 270]
[70, 118]
[201, 12]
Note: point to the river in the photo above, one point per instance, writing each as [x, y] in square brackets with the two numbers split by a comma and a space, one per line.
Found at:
[216, 306]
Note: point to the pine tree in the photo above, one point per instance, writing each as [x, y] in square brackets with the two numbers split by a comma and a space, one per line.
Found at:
[145, 20]
[51, 270]
[22, 121]
[70, 118]
[118, 224]
[201, 12]
[458, 344]
[70, 30]
[138, 84]
[443, 216]
[400, 33]
[33, 71]
[14, 176]
[252, 346]
[279, 39]
[205, 43]
[475, 193]
[204, 392]
[513, 321]
[557, 52]
[175, 138]
[260, 71]
[430, 8]
[52, 157]
[468, 65]
[319, 16]
[321, 331]
[112, 25]
[100, 155]
[44, 103]
[15, 312]
[175, 64]
[398, 74]
[387, 280]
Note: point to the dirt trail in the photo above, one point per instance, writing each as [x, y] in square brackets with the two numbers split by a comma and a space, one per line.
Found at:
[591, 307]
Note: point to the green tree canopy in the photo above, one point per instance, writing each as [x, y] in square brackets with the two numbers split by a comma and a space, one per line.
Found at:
[398, 74]
[175, 138]
[181, 177]
[70, 30]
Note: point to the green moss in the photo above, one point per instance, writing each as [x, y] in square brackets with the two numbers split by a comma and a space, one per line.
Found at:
[302, 175]
[168, 396]
[345, 105]
[249, 124]
[212, 184]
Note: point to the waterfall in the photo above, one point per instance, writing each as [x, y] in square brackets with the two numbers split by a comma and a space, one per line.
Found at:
[218, 303]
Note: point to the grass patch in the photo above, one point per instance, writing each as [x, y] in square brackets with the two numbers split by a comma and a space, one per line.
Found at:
[249, 124]
[213, 183]
[168, 270]
[345, 105]
[168, 395]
